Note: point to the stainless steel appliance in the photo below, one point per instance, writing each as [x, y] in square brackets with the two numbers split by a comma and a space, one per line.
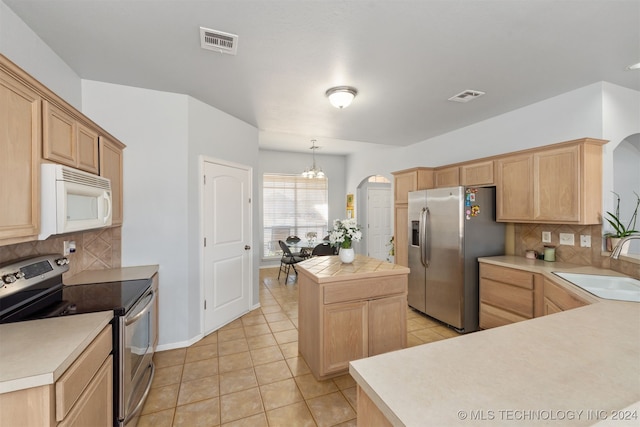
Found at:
[33, 289]
[449, 228]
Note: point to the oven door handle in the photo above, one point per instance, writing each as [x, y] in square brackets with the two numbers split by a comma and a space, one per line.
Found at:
[129, 320]
[144, 395]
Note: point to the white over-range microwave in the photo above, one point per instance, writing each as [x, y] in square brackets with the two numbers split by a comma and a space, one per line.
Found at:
[72, 200]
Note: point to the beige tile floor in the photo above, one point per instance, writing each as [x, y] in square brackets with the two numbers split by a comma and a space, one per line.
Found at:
[249, 372]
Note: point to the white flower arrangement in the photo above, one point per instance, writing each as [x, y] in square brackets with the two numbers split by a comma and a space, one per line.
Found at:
[344, 233]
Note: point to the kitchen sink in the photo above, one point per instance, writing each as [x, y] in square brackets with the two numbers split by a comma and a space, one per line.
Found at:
[608, 287]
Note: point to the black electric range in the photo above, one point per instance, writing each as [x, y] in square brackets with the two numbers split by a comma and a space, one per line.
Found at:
[33, 289]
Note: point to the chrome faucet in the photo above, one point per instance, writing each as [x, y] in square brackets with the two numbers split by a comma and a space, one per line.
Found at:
[615, 253]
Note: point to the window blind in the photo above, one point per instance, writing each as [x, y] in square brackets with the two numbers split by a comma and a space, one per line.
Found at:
[292, 206]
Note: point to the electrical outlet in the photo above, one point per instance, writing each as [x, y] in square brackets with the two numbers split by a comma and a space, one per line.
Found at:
[585, 241]
[567, 239]
[546, 237]
[69, 247]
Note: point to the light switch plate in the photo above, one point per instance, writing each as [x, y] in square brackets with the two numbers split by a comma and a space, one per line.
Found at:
[546, 237]
[585, 241]
[567, 239]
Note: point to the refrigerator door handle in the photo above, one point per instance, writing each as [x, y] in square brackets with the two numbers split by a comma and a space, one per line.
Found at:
[424, 238]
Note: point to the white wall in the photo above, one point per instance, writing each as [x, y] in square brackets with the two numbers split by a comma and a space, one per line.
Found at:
[216, 134]
[166, 135]
[294, 163]
[154, 126]
[568, 116]
[621, 119]
[22, 46]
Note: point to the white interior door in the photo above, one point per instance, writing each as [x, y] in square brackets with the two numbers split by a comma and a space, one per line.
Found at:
[379, 222]
[227, 239]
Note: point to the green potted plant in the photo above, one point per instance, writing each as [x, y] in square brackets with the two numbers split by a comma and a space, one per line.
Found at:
[620, 230]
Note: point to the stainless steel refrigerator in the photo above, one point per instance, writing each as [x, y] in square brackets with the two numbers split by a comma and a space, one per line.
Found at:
[449, 228]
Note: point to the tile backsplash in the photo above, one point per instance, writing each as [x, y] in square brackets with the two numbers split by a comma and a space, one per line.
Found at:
[95, 249]
[529, 236]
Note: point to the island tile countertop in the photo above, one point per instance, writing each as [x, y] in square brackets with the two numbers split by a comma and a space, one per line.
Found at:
[327, 269]
[37, 352]
[112, 275]
[581, 364]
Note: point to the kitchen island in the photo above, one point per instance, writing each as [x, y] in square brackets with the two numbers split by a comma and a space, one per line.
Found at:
[349, 311]
[577, 367]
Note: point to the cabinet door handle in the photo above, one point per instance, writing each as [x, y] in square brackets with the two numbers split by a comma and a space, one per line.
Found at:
[247, 247]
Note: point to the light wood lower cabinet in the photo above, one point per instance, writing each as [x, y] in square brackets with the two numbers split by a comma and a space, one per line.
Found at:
[557, 298]
[401, 233]
[405, 181]
[82, 396]
[346, 335]
[344, 321]
[507, 295]
[368, 413]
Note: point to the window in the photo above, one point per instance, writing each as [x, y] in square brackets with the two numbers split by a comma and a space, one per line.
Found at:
[292, 206]
[378, 178]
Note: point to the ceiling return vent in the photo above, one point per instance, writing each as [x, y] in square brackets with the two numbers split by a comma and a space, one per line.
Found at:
[218, 41]
[466, 96]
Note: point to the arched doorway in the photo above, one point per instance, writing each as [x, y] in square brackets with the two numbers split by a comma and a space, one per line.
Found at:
[626, 182]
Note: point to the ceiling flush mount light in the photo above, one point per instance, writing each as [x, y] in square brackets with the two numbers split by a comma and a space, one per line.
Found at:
[341, 96]
[634, 66]
[314, 172]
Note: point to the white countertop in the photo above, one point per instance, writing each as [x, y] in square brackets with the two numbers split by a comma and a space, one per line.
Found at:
[37, 352]
[565, 364]
[112, 275]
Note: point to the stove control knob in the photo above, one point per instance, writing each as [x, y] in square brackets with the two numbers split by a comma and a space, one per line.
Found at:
[9, 278]
[62, 261]
[19, 275]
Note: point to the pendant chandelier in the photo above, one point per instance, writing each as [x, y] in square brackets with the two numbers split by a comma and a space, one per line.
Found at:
[313, 172]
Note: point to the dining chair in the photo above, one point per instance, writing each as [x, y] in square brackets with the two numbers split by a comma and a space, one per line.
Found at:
[288, 260]
[323, 249]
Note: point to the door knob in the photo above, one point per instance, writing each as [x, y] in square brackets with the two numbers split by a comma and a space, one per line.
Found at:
[247, 247]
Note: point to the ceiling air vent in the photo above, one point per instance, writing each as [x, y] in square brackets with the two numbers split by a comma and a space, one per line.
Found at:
[219, 41]
[466, 96]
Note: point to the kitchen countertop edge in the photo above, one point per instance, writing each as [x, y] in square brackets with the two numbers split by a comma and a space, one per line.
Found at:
[21, 370]
[370, 373]
[112, 275]
[334, 270]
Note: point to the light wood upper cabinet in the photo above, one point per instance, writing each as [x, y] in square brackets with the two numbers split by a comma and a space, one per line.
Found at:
[514, 189]
[556, 178]
[111, 167]
[20, 138]
[446, 177]
[558, 184]
[68, 141]
[411, 180]
[87, 156]
[480, 173]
